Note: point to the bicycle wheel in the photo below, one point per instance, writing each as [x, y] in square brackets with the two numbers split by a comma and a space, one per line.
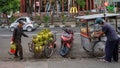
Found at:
[48, 51]
[30, 46]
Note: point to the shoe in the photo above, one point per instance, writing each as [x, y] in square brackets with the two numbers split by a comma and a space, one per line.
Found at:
[16, 56]
[103, 60]
[21, 58]
[115, 60]
[101, 57]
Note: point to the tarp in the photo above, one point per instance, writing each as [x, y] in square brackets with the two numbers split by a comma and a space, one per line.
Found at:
[94, 16]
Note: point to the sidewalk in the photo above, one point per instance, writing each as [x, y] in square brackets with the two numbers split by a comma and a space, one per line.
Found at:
[56, 24]
[59, 24]
[82, 63]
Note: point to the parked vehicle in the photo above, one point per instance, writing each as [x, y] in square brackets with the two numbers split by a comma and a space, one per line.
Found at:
[66, 41]
[29, 25]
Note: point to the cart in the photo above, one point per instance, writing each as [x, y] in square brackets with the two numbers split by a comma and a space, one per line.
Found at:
[94, 46]
[47, 49]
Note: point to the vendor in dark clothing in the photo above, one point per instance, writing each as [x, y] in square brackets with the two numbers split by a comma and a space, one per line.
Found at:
[111, 46]
[17, 34]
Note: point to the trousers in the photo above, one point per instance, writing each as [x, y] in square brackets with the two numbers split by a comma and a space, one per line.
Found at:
[111, 50]
[18, 48]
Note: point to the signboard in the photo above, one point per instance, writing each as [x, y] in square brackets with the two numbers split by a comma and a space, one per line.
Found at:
[73, 10]
[106, 3]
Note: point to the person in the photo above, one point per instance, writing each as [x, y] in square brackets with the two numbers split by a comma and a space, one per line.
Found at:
[17, 34]
[111, 46]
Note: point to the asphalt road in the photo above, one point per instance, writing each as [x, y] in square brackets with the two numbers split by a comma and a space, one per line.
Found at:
[6, 32]
[5, 42]
[77, 57]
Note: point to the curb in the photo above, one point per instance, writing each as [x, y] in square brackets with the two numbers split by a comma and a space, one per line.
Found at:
[50, 26]
[53, 26]
[7, 27]
[5, 35]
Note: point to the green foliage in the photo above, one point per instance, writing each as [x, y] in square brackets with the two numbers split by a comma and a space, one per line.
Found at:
[63, 16]
[12, 19]
[37, 17]
[81, 3]
[87, 12]
[9, 5]
[46, 18]
[110, 8]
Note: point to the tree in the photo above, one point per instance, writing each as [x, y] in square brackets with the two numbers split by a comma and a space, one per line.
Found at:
[6, 6]
[81, 3]
[29, 7]
[9, 5]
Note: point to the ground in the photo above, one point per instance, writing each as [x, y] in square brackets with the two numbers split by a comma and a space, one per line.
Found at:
[77, 57]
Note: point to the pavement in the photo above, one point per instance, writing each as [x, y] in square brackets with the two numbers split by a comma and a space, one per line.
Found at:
[59, 24]
[83, 63]
[56, 24]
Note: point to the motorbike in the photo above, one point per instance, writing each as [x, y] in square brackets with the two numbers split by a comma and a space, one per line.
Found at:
[67, 38]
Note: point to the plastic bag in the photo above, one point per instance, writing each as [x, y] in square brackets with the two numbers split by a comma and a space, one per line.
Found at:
[12, 49]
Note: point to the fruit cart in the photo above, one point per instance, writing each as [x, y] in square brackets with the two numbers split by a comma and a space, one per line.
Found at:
[92, 45]
[43, 43]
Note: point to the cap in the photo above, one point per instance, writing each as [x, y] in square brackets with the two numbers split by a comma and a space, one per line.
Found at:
[98, 20]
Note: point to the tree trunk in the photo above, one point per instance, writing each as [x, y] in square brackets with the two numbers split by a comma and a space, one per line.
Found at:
[83, 11]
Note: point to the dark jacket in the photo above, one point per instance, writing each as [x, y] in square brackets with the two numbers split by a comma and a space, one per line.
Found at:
[17, 33]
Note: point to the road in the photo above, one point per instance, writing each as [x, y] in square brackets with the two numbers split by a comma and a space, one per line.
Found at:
[4, 31]
[77, 58]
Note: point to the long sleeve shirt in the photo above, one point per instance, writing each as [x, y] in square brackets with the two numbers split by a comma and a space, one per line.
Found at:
[18, 33]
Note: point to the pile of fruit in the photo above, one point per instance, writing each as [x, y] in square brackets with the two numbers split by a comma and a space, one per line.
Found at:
[41, 39]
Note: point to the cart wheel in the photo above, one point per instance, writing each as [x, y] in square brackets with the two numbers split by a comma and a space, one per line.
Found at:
[48, 51]
[85, 49]
[30, 46]
[99, 48]
[86, 44]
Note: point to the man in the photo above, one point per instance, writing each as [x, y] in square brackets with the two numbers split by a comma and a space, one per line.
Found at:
[111, 46]
[17, 34]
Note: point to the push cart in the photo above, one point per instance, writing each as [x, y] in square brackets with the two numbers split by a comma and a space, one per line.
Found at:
[46, 50]
[95, 46]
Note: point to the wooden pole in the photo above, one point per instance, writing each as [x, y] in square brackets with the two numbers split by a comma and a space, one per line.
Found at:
[93, 4]
[35, 6]
[62, 5]
[73, 2]
[44, 4]
[21, 9]
[86, 4]
[90, 4]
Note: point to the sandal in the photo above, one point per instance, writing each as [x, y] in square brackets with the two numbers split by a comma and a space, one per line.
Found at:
[103, 60]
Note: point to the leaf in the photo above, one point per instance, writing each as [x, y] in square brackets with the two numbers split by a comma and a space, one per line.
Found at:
[8, 5]
[46, 18]
[81, 3]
